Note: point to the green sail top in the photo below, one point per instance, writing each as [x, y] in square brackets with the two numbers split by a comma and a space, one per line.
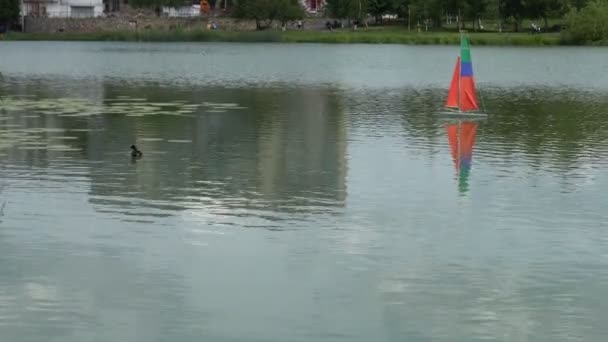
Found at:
[465, 52]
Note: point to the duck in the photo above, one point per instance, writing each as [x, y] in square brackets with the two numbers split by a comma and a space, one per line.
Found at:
[135, 152]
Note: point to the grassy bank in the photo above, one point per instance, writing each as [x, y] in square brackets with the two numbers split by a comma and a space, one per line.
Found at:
[424, 38]
[371, 36]
[152, 36]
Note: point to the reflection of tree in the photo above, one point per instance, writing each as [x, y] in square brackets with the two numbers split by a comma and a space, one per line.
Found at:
[302, 146]
[286, 146]
[420, 119]
[544, 124]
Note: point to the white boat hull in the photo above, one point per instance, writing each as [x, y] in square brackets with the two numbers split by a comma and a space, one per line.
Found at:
[458, 114]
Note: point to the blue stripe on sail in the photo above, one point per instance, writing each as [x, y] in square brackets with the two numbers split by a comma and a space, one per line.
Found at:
[466, 69]
[466, 162]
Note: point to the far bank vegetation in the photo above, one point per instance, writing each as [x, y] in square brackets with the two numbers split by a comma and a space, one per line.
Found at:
[579, 21]
[573, 21]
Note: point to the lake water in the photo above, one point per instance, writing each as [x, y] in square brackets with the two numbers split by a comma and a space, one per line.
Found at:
[300, 193]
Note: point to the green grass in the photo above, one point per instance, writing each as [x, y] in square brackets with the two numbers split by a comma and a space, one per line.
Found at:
[362, 36]
[397, 36]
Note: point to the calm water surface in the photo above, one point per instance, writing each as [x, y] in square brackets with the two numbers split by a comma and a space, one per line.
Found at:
[300, 193]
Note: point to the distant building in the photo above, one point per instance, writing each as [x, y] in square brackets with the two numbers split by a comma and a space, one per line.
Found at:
[63, 8]
[182, 11]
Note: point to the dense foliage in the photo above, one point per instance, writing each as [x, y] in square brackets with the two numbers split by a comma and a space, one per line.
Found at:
[265, 12]
[353, 9]
[9, 11]
[587, 20]
[589, 24]
[437, 11]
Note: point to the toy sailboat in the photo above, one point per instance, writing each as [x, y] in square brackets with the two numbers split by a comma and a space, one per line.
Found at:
[462, 95]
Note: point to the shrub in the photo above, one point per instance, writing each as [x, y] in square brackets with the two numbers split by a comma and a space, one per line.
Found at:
[589, 25]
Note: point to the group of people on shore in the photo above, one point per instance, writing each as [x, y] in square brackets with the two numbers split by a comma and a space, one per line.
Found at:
[338, 24]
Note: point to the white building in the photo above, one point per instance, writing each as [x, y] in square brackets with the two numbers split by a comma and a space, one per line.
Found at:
[183, 11]
[63, 8]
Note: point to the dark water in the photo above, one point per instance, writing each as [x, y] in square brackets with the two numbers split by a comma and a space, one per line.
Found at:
[300, 193]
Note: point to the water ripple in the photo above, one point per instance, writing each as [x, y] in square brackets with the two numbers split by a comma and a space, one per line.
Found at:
[339, 210]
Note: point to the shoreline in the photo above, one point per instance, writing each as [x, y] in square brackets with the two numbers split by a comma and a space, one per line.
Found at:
[362, 36]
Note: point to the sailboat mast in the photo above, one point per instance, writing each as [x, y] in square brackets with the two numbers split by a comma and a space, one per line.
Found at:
[459, 77]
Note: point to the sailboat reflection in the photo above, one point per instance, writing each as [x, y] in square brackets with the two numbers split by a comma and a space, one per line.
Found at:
[461, 136]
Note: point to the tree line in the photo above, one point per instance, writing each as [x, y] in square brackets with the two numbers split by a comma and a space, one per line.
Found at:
[433, 12]
[586, 20]
[437, 12]
[592, 14]
[9, 11]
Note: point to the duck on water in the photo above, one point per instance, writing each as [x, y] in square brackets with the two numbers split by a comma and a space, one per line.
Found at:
[135, 152]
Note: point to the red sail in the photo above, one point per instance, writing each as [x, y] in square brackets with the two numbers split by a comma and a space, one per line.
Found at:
[454, 145]
[462, 140]
[452, 100]
[468, 133]
[468, 97]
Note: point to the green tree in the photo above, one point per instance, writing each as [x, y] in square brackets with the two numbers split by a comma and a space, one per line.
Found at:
[347, 9]
[513, 9]
[289, 10]
[475, 9]
[264, 12]
[577, 4]
[590, 24]
[433, 10]
[9, 11]
[544, 8]
[422, 10]
[377, 8]
[457, 7]
[401, 8]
